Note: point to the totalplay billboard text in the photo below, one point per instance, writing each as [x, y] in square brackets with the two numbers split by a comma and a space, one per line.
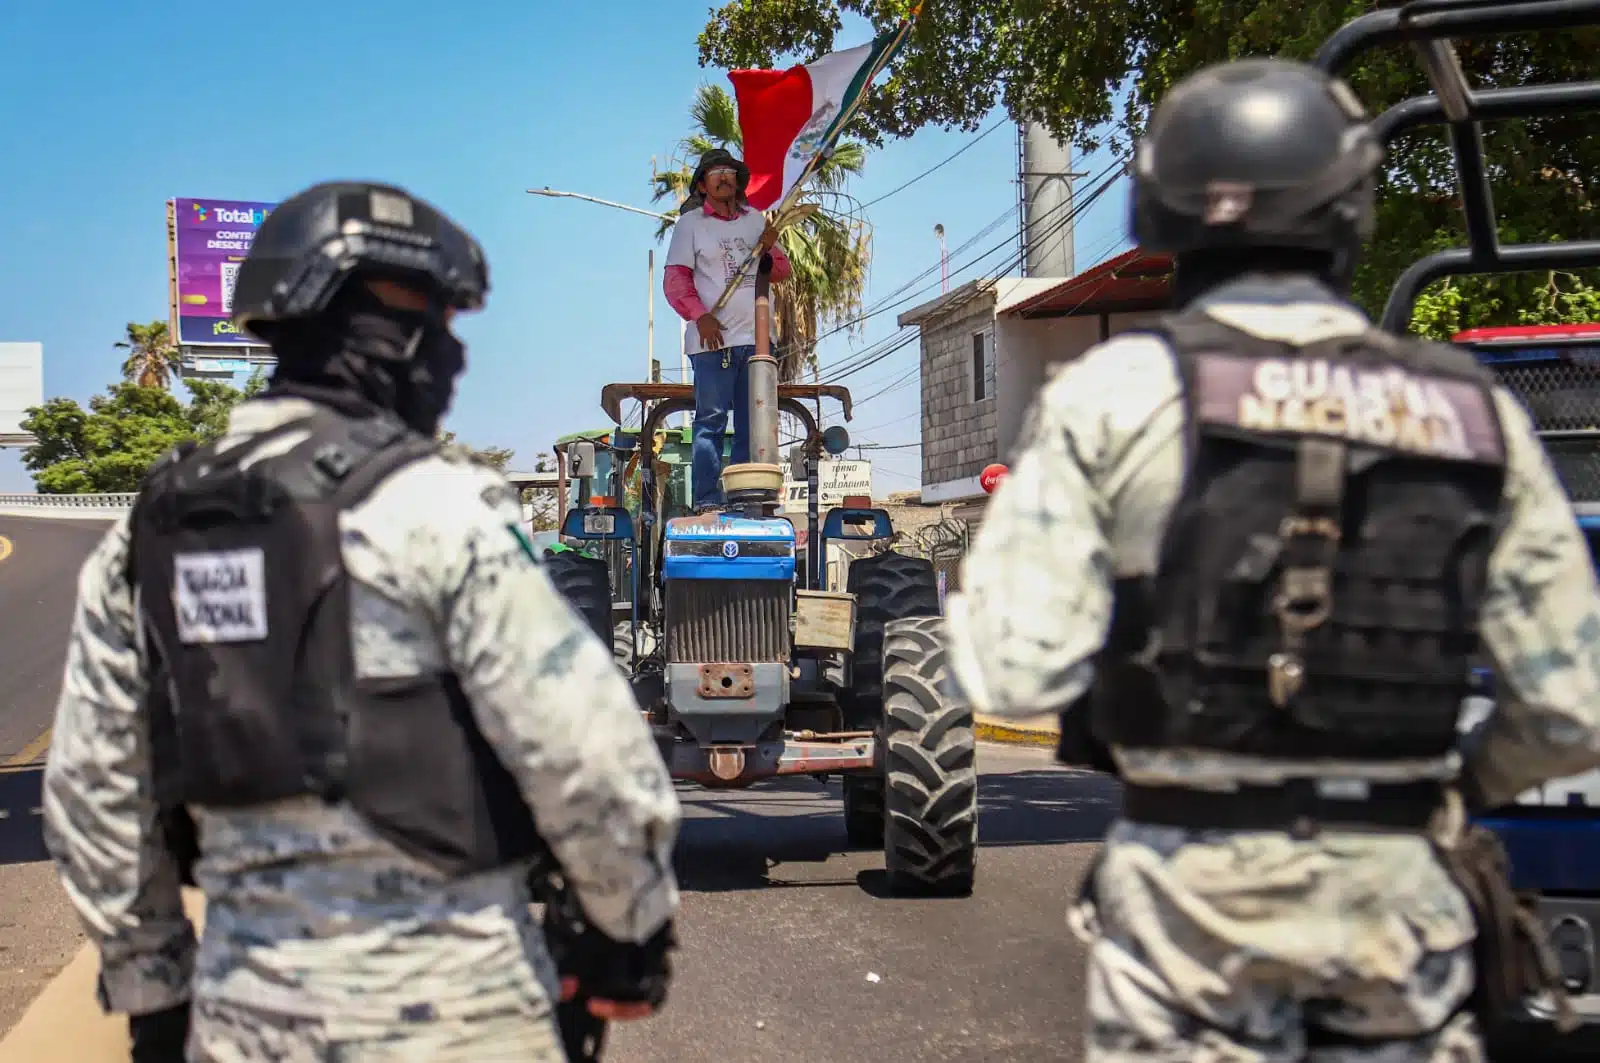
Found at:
[212, 237]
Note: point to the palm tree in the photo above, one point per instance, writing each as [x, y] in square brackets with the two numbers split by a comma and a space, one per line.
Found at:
[829, 250]
[153, 359]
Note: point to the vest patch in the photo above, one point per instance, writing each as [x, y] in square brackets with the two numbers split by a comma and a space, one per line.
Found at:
[1386, 407]
[220, 596]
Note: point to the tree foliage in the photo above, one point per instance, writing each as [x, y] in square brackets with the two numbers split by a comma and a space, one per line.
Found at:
[109, 446]
[153, 359]
[543, 502]
[494, 457]
[829, 251]
[1090, 70]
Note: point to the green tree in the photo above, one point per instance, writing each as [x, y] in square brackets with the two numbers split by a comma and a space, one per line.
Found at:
[830, 250]
[153, 359]
[109, 446]
[495, 457]
[1090, 72]
[542, 501]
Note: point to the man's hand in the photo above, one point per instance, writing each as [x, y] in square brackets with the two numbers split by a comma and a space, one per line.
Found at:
[710, 330]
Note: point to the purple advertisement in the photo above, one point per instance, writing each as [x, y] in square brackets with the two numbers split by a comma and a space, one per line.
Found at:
[212, 238]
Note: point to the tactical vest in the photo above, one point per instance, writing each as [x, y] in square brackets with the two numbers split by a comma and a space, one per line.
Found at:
[245, 605]
[1318, 586]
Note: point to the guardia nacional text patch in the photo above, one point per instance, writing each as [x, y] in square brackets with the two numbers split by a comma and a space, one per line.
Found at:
[220, 595]
[1387, 407]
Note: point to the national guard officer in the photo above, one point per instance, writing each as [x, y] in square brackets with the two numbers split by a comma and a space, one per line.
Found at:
[1249, 552]
[320, 667]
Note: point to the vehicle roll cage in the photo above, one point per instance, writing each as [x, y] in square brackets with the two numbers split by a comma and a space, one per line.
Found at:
[1431, 27]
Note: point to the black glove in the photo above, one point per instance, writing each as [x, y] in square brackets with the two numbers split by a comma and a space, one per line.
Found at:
[159, 1037]
[606, 969]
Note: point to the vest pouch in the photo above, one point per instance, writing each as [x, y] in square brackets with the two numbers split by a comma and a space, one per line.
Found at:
[424, 776]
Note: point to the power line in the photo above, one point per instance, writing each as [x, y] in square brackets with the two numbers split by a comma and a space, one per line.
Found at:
[865, 358]
[937, 165]
[872, 357]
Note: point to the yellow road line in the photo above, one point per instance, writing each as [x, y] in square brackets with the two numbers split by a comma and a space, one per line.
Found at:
[5, 548]
[30, 752]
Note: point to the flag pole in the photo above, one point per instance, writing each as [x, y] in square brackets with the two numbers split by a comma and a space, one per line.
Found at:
[815, 161]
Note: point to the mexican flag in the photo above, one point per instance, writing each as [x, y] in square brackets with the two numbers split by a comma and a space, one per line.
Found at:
[789, 117]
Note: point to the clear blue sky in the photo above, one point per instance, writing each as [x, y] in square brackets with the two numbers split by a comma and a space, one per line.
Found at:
[107, 109]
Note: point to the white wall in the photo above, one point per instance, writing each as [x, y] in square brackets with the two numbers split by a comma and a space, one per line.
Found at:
[21, 383]
[1027, 348]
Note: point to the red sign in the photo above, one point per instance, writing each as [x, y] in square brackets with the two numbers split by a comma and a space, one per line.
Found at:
[991, 476]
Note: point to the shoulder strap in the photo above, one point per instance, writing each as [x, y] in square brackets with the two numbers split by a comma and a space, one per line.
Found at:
[345, 458]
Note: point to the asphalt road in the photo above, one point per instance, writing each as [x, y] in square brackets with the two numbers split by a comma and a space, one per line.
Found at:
[792, 954]
[791, 951]
[39, 563]
[38, 586]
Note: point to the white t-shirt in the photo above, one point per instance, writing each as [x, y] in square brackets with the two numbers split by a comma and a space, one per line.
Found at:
[714, 248]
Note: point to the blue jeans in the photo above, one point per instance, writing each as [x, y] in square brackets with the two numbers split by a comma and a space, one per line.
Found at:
[721, 383]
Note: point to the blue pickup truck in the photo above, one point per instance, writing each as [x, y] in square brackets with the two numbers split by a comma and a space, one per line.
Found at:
[1552, 835]
[1552, 832]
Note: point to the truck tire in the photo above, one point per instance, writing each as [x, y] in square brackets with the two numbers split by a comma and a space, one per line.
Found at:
[585, 583]
[930, 752]
[887, 587]
[863, 811]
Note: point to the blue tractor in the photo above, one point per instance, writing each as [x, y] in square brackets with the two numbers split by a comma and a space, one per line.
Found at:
[752, 662]
[1552, 836]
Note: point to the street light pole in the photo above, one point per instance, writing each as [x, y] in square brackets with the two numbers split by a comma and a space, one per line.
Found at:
[652, 375]
[547, 191]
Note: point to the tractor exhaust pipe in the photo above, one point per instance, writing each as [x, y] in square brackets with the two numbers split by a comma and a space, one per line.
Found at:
[757, 484]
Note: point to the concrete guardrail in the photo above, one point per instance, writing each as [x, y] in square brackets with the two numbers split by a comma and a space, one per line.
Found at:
[67, 507]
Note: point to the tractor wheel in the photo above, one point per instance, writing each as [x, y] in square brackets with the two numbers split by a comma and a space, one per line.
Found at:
[622, 645]
[585, 583]
[930, 751]
[863, 811]
[887, 587]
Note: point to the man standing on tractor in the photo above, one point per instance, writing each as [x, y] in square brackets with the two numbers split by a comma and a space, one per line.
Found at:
[716, 232]
[1248, 552]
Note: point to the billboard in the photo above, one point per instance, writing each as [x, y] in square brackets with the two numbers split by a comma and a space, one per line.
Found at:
[835, 480]
[21, 386]
[206, 241]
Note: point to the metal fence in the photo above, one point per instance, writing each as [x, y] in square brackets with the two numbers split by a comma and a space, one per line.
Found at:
[1563, 398]
[944, 543]
[68, 507]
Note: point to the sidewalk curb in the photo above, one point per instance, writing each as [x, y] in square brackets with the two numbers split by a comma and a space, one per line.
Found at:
[989, 729]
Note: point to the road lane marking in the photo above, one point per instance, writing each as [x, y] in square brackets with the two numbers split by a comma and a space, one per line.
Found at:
[30, 752]
[5, 548]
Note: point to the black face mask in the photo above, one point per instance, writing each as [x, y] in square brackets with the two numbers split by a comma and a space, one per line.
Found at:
[362, 353]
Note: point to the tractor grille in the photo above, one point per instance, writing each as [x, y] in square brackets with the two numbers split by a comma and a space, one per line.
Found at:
[727, 621]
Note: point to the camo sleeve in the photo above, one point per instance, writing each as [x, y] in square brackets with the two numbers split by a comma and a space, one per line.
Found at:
[99, 820]
[1541, 624]
[1088, 496]
[546, 693]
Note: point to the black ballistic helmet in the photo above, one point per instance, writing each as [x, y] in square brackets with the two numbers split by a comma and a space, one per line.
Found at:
[315, 241]
[1259, 153]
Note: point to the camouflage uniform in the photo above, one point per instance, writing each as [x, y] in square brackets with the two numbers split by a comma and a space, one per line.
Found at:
[322, 940]
[1235, 945]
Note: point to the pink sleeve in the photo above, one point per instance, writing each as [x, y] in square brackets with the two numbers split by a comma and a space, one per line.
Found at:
[681, 296]
[780, 264]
